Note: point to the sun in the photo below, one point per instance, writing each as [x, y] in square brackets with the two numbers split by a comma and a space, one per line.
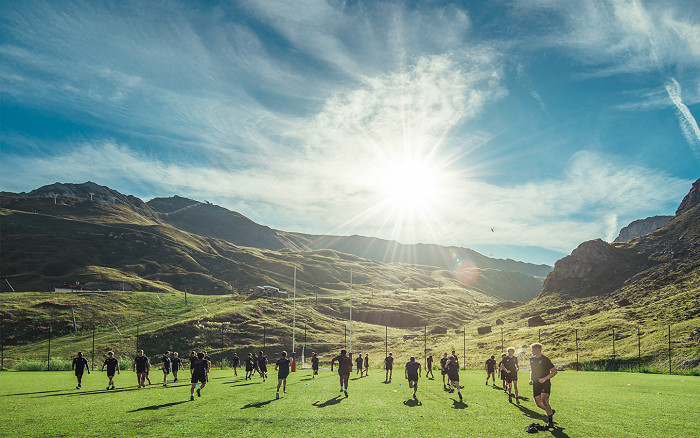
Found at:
[410, 187]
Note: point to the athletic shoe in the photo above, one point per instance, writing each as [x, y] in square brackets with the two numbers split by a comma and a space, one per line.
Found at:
[192, 398]
[284, 392]
[346, 393]
[109, 387]
[517, 400]
[341, 389]
[487, 383]
[510, 398]
[277, 396]
[175, 381]
[199, 393]
[77, 387]
[414, 395]
[460, 396]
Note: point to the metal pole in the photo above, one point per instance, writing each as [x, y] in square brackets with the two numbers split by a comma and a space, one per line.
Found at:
[264, 337]
[185, 295]
[639, 352]
[305, 326]
[222, 346]
[48, 356]
[501, 339]
[669, 349]
[93, 348]
[539, 335]
[345, 334]
[294, 311]
[464, 340]
[386, 341]
[138, 321]
[613, 344]
[425, 344]
[2, 347]
[350, 344]
[577, 363]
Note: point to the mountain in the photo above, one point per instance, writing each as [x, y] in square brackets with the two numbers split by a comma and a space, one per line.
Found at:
[665, 255]
[641, 227]
[66, 233]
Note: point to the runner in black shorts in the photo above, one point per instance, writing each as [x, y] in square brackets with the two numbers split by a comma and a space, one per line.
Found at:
[235, 362]
[262, 365]
[389, 365]
[366, 364]
[177, 364]
[490, 367]
[208, 359]
[358, 364]
[452, 368]
[112, 367]
[512, 367]
[282, 368]
[344, 366]
[141, 366]
[413, 372]
[167, 367]
[443, 369]
[502, 371]
[193, 357]
[249, 366]
[80, 364]
[314, 365]
[541, 371]
[200, 368]
[429, 367]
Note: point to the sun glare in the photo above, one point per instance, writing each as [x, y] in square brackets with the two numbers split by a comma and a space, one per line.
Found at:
[410, 187]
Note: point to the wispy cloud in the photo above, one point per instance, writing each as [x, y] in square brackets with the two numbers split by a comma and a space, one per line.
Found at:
[689, 125]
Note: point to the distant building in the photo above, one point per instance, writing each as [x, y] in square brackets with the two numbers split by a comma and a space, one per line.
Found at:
[270, 291]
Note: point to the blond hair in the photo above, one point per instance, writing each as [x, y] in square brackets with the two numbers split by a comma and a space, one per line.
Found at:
[511, 349]
[536, 345]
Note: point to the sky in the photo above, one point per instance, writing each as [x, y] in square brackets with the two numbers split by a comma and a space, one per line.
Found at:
[516, 128]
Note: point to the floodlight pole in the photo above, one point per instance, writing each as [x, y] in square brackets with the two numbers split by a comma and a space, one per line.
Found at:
[669, 350]
[464, 340]
[48, 356]
[2, 347]
[93, 348]
[577, 364]
[350, 344]
[386, 341]
[613, 344]
[294, 311]
[639, 351]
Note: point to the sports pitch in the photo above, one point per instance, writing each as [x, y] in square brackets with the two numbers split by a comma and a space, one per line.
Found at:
[588, 404]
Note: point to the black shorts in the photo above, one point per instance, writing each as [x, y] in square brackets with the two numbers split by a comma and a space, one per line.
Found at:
[453, 377]
[249, 368]
[541, 388]
[141, 371]
[77, 374]
[390, 367]
[263, 369]
[490, 371]
[282, 376]
[166, 370]
[176, 369]
[413, 377]
[198, 378]
[512, 376]
[315, 368]
[503, 375]
[110, 375]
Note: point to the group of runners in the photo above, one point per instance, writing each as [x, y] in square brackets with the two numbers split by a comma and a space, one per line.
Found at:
[541, 371]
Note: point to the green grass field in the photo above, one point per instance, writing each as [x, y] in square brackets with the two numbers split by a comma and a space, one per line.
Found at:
[588, 404]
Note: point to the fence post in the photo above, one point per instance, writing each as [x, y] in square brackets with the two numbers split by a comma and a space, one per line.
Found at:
[669, 349]
[222, 345]
[578, 365]
[48, 356]
[138, 322]
[93, 348]
[639, 352]
[613, 344]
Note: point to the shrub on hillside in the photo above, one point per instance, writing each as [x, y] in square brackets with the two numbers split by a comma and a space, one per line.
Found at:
[56, 364]
[29, 365]
[125, 363]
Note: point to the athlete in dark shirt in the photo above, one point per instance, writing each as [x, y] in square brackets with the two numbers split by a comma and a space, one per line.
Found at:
[167, 367]
[452, 368]
[429, 367]
[249, 366]
[112, 365]
[443, 369]
[80, 364]
[314, 365]
[344, 366]
[200, 368]
[366, 364]
[177, 364]
[510, 363]
[413, 372]
[208, 359]
[141, 366]
[541, 371]
[262, 365]
[490, 367]
[503, 372]
[358, 364]
[235, 362]
[389, 365]
[282, 368]
[192, 358]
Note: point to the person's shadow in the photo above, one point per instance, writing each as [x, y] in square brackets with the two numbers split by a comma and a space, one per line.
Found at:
[156, 407]
[334, 401]
[412, 402]
[258, 405]
[529, 412]
[457, 404]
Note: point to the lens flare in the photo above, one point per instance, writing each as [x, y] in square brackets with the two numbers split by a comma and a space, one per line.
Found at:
[466, 272]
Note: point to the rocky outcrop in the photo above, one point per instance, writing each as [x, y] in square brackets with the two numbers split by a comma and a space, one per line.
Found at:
[691, 199]
[641, 227]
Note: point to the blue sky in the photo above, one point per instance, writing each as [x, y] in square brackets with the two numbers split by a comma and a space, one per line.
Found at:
[550, 122]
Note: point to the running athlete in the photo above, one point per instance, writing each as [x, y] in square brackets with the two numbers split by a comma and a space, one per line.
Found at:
[413, 372]
[429, 367]
[510, 363]
[366, 364]
[490, 367]
[314, 365]
[344, 366]
[177, 364]
[249, 366]
[80, 364]
[389, 365]
[503, 373]
[541, 371]
[358, 364]
[235, 362]
[208, 359]
[282, 368]
[167, 367]
[262, 365]
[443, 369]
[112, 366]
[193, 357]
[141, 366]
[200, 369]
[452, 368]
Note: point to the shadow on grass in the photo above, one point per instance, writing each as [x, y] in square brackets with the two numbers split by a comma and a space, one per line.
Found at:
[334, 401]
[37, 392]
[558, 432]
[97, 391]
[387, 382]
[258, 404]
[240, 384]
[412, 402]
[529, 412]
[456, 404]
[156, 407]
